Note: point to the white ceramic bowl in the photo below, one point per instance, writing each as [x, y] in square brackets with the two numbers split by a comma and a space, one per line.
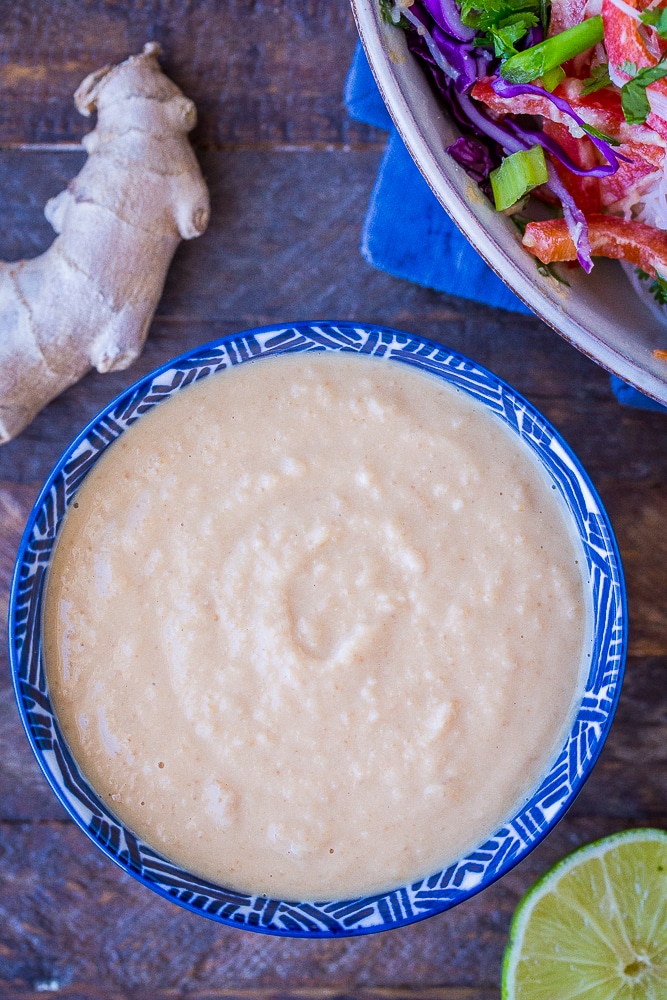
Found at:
[469, 874]
[599, 313]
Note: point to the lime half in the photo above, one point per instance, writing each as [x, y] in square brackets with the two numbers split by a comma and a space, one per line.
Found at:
[595, 926]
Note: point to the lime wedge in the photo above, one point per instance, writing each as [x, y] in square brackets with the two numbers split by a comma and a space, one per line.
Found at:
[595, 926]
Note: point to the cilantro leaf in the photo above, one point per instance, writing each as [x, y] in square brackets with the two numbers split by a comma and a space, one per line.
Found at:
[502, 23]
[487, 15]
[386, 9]
[508, 31]
[599, 78]
[634, 99]
[656, 18]
[657, 288]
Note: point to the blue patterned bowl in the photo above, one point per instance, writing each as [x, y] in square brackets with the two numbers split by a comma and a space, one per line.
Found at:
[443, 889]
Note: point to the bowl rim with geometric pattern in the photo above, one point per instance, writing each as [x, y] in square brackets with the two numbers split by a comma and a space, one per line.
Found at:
[469, 874]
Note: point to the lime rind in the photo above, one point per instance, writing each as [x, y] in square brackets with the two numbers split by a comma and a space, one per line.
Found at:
[594, 927]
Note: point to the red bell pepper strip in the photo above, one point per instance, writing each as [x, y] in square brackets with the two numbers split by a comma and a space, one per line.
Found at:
[634, 242]
[630, 182]
[585, 190]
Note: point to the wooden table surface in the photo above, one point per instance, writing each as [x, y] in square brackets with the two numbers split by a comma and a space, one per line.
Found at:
[290, 177]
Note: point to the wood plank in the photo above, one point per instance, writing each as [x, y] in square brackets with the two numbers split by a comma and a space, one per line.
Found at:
[638, 517]
[85, 925]
[258, 72]
[288, 993]
[269, 257]
[79, 918]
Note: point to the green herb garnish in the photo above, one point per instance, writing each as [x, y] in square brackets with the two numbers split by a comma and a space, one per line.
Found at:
[597, 134]
[658, 286]
[656, 18]
[545, 14]
[487, 14]
[388, 10]
[501, 22]
[509, 31]
[634, 99]
[599, 78]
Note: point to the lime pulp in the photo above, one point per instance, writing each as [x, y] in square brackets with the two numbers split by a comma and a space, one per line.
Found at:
[594, 927]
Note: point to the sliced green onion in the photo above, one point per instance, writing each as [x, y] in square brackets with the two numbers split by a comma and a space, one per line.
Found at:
[552, 78]
[526, 66]
[517, 175]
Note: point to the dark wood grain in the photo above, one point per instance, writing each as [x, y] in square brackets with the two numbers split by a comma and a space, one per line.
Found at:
[290, 179]
[265, 72]
[80, 915]
[254, 993]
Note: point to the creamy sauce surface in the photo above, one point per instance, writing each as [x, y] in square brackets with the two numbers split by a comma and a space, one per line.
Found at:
[316, 626]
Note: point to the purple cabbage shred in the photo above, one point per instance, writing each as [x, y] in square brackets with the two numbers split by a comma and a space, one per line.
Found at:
[446, 15]
[574, 217]
[486, 139]
[473, 156]
[504, 89]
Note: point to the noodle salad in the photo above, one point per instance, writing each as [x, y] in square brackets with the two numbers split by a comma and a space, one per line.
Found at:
[566, 100]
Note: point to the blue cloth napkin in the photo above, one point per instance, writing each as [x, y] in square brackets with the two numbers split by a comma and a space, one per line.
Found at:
[407, 233]
[415, 238]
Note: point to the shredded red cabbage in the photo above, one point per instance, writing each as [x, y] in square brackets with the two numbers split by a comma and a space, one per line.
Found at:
[454, 67]
[446, 15]
[497, 131]
[481, 149]
[534, 36]
[460, 56]
[574, 217]
[504, 89]
[473, 156]
[420, 20]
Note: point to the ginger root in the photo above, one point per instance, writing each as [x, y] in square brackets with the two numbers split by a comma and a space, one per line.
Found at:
[89, 299]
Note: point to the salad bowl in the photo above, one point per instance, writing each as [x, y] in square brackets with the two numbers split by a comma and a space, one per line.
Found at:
[599, 313]
[583, 741]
